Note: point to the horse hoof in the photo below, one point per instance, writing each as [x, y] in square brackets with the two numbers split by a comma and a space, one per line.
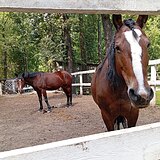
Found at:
[49, 110]
[40, 110]
[69, 105]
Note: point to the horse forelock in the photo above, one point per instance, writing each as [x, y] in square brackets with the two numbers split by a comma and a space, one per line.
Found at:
[131, 25]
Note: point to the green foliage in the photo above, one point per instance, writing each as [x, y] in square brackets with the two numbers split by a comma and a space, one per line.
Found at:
[6, 39]
[34, 42]
[23, 47]
[158, 98]
[90, 36]
[153, 32]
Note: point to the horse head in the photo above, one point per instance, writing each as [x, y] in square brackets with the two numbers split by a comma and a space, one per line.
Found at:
[20, 82]
[131, 58]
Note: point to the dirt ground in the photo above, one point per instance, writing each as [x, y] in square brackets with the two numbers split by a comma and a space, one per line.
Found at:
[22, 126]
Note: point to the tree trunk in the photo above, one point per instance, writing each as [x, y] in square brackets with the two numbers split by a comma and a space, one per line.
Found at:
[108, 32]
[5, 71]
[82, 43]
[82, 48]
[5, 64]
[100, 57]
[68, 43]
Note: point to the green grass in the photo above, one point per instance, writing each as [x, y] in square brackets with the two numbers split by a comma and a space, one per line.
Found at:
[158, 98]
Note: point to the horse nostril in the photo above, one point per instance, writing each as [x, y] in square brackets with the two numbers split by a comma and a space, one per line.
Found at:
[151, 94]
[133, 95]
[141, 99]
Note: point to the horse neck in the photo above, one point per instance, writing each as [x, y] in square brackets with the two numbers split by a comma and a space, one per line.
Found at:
[61, 75]
[29, 81]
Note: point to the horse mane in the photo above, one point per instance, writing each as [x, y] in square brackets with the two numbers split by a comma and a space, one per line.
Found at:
[111, 74]
[30, 74]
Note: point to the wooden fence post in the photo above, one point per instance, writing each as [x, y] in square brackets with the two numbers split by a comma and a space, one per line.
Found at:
[0, 89]
[81, 84]
[153, 81]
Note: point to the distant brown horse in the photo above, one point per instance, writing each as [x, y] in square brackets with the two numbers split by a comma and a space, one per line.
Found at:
[119, 86]
[42, 81]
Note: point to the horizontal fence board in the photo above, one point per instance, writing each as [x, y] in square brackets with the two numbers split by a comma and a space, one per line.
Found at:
[83, 72]
[83, 84]
[154, 62]
[137, 143]
[151, 7]
[154, 83]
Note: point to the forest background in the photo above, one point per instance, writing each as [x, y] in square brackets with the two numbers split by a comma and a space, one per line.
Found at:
[43, 42]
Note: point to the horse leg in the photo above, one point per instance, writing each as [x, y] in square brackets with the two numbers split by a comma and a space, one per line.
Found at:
[68, 92]
[46, 100]
[133, 116]
[67, 100]
[71, 98]
[120, 120]
[125, 123]
[107, 120]
[40, 100]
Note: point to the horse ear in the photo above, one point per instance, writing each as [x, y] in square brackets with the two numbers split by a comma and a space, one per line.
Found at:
[16, 75]
[23, 74]
[141, 20]
[117, 21]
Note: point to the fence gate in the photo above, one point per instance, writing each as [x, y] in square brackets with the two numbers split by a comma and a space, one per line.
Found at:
[10, 86]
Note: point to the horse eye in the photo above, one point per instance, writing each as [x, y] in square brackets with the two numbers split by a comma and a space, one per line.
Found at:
[148, 45]
[117, 49]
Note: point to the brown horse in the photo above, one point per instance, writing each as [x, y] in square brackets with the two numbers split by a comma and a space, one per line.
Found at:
[119, 86]
[42, 81]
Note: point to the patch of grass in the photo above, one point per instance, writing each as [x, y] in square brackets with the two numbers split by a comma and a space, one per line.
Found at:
[158, 98]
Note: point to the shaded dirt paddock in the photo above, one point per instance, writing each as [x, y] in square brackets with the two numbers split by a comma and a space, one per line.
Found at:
[22, 126]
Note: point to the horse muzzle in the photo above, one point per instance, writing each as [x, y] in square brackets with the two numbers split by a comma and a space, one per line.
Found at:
[20, 91]
[141, 100]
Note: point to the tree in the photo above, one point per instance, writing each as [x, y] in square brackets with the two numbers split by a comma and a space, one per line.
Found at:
[35, 42]
[6, 38]
[82, 43]
[100, 57]
[108, 31]
[68, 42]
[152, 31]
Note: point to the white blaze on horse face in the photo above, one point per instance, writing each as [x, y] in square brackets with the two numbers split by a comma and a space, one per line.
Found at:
[136, 54]
[19, 85]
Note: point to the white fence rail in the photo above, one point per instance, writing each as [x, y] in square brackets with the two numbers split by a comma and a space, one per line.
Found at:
[137, 143]
[82, 6]
[153, 80]
[81, 84]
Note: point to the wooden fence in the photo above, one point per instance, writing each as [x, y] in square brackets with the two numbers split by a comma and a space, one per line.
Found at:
[80, 84]
[82, 6]
[153, 79]
[137, 143]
